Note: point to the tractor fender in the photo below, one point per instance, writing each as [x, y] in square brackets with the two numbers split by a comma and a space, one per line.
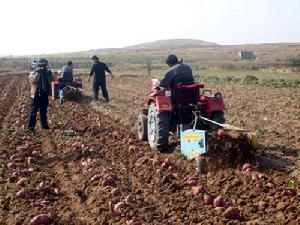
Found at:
[214, 105]
[163, 104]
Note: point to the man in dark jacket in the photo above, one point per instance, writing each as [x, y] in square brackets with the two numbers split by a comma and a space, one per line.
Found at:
[40, 81]
[99, 69]
[177, 73]
[66, 78]
[67, 72]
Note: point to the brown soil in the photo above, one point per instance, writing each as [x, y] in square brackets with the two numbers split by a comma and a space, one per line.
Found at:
[87, 140]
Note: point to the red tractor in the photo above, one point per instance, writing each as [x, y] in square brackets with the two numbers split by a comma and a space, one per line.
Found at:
[178, 110]
[62, 89]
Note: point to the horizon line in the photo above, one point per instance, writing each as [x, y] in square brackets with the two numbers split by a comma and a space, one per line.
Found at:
[142, 43]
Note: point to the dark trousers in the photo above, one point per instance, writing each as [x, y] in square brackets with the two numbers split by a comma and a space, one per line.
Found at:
[102, 84]
[38, 103]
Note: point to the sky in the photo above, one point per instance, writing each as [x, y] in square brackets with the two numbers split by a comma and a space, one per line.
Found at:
[36, 27]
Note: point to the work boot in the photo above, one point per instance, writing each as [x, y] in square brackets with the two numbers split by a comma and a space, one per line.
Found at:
[46, 128]
[30, 130]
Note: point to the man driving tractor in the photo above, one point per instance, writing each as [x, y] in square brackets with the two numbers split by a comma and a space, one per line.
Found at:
[66, 78]
[67, 72]
[178, 73]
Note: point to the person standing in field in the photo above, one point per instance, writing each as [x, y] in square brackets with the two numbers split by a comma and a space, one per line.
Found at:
[98, 70]
[40, 82]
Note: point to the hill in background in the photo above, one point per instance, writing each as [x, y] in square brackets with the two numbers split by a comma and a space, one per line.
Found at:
[171, 43]
[155, 45]
[197, 53]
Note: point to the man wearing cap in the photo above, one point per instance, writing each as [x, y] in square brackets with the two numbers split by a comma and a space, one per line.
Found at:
[40, 82]
[177, 73]
[98, 70]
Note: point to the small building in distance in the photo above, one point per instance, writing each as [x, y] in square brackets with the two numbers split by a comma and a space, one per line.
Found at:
[246, 55]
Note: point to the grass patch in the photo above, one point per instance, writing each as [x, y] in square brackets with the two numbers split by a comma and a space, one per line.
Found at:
[251, 80]
[243, 73]
[250, 77]
[218, 76]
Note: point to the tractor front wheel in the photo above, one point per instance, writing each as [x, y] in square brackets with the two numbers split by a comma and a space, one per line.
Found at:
[142, 128]
[158, 128]
[54, 91]
[219, 118]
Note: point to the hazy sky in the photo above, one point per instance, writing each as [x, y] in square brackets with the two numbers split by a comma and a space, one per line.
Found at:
[35, 26]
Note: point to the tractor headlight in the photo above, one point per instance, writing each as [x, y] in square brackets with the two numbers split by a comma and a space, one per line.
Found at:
[168, 93]
[218, 95]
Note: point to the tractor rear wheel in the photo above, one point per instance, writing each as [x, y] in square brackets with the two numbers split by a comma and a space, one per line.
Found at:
[142, 128]
[54, 91]
[158, 128]
[219, 118]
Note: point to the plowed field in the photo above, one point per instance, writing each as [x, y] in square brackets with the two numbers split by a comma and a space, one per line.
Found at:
[90, 168]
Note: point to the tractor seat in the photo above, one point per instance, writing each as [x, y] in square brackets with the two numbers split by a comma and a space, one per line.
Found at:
[185, 94]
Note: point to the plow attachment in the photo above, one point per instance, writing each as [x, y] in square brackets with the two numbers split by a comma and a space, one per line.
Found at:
[250, 138]
[227, 146]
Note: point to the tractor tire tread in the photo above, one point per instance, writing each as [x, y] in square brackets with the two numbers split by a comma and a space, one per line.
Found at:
[162, 124]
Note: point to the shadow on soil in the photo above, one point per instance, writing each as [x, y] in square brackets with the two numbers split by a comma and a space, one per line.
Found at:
[281, 159]
[89, 99]
[71, 156]
[85, 99]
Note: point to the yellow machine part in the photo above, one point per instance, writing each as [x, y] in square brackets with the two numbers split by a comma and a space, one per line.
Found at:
[253, 139]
